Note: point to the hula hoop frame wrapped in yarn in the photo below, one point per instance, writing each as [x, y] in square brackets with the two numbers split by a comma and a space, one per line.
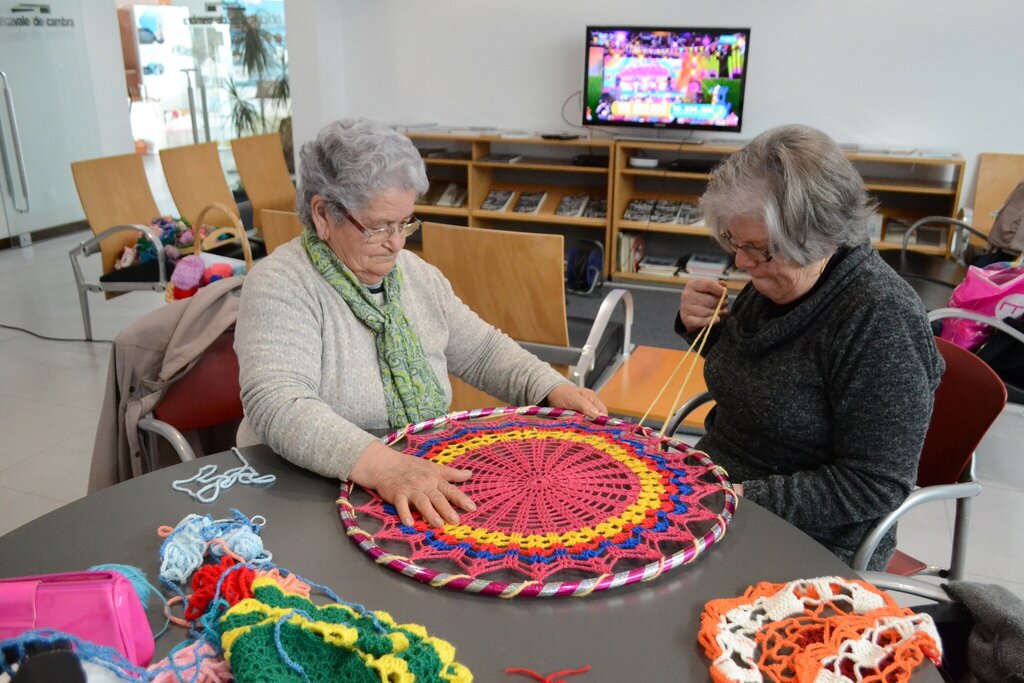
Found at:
[696, 463]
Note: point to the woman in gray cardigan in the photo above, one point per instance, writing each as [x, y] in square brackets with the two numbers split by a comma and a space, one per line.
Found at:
[824, 368]
[341, 330]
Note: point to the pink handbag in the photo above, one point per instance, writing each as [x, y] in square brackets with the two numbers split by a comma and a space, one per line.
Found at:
[99, 606]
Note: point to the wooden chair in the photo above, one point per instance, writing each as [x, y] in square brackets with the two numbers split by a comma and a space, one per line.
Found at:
[264, 173]
[196, 179]
[515, 281]
[119, 207]
[968, 400]
[279, 227]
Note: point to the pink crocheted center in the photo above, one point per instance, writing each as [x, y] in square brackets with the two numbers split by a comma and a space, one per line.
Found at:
[557, 495]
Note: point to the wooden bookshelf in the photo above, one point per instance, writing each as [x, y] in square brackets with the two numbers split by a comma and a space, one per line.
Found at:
[906, 187]
[545, 166]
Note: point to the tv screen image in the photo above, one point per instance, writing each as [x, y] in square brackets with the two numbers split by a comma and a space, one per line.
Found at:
[687, 78]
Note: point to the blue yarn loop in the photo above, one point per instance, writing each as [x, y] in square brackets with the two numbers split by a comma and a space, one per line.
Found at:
[281, 652]
[184, 549]
[213, 483]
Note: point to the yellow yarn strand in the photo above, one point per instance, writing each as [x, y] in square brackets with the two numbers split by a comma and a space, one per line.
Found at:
[693, 363]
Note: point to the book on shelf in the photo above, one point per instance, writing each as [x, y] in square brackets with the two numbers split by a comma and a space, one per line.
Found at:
[875, 226]
[665, 211]
[658, 265]
[454, 196]
[638, 210]
[448, 154]
[689, 214]
[572, 204]
[433, 193]
[895, 229]
[597, 207]
[431, 151]
[529, 202]
[497, 200]
[631, 251]
[502, 158]
[707, 265]
[734, 273]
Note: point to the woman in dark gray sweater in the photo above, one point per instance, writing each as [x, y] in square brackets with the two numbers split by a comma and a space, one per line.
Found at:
[824, 368]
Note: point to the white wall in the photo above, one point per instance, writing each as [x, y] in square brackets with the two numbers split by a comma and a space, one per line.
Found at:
[936, 74]
[106, 66]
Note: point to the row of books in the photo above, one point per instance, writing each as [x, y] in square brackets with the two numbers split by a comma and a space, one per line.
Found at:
[663, 211]
[693, 265]
[570, 205]
[445, 194]
[893, 230]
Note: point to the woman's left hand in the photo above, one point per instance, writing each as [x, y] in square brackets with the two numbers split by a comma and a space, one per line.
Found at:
[576, 398]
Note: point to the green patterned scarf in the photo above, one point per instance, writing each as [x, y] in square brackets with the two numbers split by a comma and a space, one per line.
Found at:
[411, 389]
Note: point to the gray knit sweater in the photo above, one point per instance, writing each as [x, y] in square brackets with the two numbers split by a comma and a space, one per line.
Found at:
[822, 409]
[308, 367]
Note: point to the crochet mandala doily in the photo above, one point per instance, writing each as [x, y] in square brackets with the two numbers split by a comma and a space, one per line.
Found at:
[566, 505]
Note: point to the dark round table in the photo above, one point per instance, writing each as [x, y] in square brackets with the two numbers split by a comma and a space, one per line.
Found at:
[640, 632]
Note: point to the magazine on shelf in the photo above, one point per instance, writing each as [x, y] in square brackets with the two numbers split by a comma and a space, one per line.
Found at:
[572, 204]
[875, 226]
[708, 265]
[497, 200]
[665, 211]
[529, 202]
[658, 265]
[454, 196]
[689, 214]
[597, 207]
[638, 210]
[503, 158]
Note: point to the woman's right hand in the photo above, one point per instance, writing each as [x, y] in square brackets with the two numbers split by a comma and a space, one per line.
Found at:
[402, 479]
[698, 302]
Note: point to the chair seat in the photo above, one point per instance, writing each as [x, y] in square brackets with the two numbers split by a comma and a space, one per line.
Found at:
[607, 349]
[902, 564]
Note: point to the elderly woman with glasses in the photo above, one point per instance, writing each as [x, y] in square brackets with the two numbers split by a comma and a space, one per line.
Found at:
[341, 330]
[824, 367]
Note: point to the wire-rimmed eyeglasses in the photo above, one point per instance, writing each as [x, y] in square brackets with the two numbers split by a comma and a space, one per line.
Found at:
[378, 235]
[758, 254]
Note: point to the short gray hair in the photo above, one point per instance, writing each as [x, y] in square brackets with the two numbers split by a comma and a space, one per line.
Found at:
[797, 181]
[352, 161]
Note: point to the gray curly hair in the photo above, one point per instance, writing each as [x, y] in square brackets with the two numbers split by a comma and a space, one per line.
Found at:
[352, 161]
[797, 181]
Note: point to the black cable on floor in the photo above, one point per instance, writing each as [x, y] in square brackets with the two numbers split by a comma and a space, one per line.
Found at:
[59, 339]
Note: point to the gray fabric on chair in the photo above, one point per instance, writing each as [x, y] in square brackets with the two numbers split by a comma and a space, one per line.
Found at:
[995, 649]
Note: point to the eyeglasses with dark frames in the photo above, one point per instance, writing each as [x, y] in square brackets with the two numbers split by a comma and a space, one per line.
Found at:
[378, 235]
[755, 253]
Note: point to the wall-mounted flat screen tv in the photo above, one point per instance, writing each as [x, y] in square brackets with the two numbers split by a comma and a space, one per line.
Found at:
[685, 78]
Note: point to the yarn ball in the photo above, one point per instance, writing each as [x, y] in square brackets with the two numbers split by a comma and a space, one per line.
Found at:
[218, 271]
[172, 253]
[186, 237]
[188, 274]
[240, 270]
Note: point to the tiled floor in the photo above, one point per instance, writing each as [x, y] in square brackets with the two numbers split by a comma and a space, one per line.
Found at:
[50, 395]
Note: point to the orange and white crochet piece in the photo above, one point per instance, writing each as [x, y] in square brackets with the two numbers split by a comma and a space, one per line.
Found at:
[824, 630]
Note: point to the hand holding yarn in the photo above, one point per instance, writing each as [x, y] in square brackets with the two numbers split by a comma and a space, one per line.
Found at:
[403, 480]
[697, 304]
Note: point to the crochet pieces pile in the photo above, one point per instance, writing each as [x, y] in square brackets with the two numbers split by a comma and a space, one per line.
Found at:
[278, 636]
[825, 630]
[557, 495]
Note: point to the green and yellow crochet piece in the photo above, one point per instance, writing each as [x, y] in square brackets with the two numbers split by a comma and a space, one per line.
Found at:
[280, 636]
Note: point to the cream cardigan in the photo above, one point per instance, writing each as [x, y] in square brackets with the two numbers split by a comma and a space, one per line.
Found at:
[309, 374]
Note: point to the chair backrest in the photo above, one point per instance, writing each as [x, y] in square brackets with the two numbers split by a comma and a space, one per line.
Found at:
[513, 280]
[998, 174]
[279, 227]
[209, 394]
[114, 191]
[264, 173]
[196, 179]
[968, 400]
